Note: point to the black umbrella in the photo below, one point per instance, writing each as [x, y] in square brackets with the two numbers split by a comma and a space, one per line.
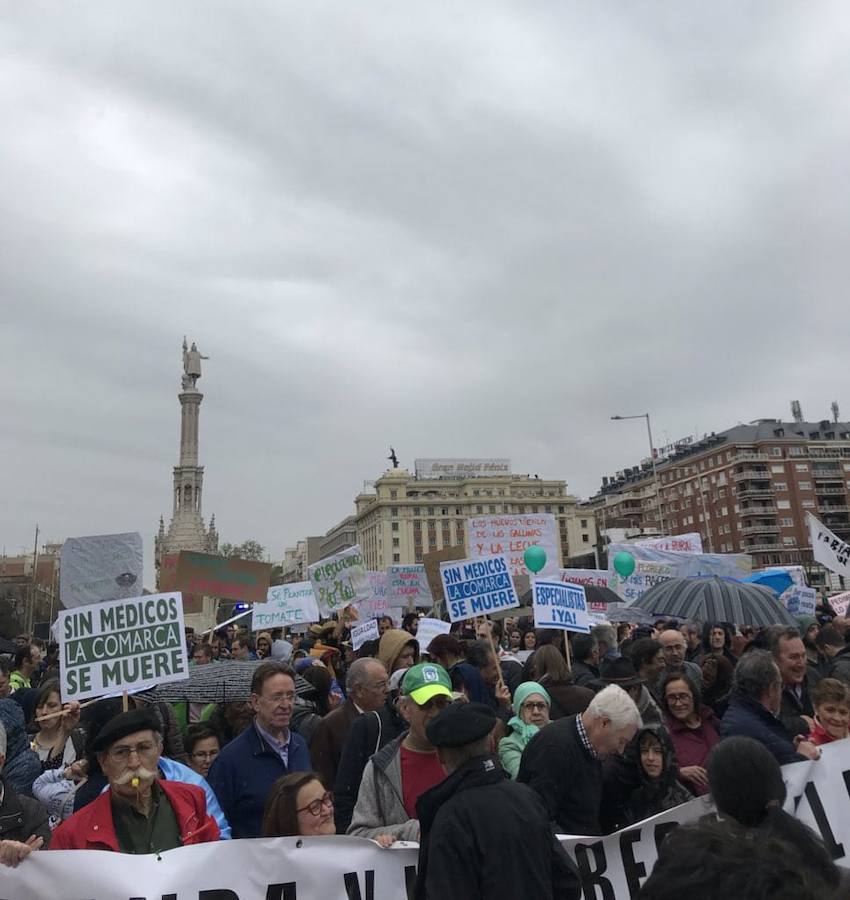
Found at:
[713, 599]
[630, 614]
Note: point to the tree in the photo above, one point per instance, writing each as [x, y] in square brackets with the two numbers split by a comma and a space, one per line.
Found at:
[250, 549]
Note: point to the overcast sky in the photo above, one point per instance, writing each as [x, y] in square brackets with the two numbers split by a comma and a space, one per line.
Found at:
[463, 229]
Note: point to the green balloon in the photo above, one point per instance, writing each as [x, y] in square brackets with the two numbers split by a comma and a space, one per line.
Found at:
[535, 558]
[624, 563]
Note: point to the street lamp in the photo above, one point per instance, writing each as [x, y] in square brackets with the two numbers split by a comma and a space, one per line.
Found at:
[652, 458]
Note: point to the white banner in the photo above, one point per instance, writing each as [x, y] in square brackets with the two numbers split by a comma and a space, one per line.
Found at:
[408, 586]
[340, 580]
[560, 605]
[511, 536]
[121, 645]
[592, 577]
[287, 604]
[645, 576]
[477, 587]
[365, 631]
[100, 567]
[342, 868]
[828, 550]
[674, 543]
[428, 629]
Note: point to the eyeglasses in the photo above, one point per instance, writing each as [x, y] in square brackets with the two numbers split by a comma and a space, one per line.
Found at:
[287, 697]
[679, 698]
[205, 754]
[315, 806]
[534, 705]
[122, 753]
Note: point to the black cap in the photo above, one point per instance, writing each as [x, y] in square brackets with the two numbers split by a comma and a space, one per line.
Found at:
[124, 724]
[620, 671]
[460, 724]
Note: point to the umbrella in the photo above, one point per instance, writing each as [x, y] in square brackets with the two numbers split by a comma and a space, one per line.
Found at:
[631, 614]
[777, 580]
[714, 599]
[221, 682]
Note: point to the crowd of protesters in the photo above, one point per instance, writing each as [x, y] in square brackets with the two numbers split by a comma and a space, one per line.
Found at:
[480, 747]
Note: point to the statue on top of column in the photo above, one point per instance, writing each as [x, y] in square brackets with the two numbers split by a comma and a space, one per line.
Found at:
[191, 365]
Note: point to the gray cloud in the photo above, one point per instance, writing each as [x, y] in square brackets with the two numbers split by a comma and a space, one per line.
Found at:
[474, 230]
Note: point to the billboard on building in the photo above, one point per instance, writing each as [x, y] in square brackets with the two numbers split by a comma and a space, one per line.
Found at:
[462, 468]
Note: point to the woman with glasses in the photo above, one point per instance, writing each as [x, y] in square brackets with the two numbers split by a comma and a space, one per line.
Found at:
[692, 726]
[202, 745]
[531, 713]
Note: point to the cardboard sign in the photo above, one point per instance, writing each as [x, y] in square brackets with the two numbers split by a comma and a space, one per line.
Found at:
[511, 536]
[340, 580]
[287, 604]
[100, 567]
[674, 543]
[801, 601]
[477, 587]
[223, 576]
[646, 575]
[560, 605]
[432, 562]
[592, 577]
[166, 583]
[840, 603]
[121, 645]
[365, 631]
[428, 629]
[408, 586]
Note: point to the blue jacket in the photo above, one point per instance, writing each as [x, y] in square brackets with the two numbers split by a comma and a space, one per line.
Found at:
[748, 718]
[243, 774]
[175, 771]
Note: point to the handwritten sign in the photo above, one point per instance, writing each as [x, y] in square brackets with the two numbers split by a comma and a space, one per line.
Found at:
[364, 631]
[121, 645]
[340, 580]
[428, 629]
[560, 605]
[223, 576]
[587, 577]
[801, 601]
[674, 543]
[286, 605]
[432, 562]
[408, 586]
[645, 576]
[166, 583]
[100, 567]
[511, 536]
[840, 603]
[477, 587]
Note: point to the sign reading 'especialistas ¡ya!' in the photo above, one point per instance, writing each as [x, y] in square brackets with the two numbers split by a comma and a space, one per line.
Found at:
[121, 645]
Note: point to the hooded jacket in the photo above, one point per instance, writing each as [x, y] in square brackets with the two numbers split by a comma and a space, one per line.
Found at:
[391, 645]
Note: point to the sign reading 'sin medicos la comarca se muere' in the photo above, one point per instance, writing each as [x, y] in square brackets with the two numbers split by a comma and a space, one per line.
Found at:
[121, 645]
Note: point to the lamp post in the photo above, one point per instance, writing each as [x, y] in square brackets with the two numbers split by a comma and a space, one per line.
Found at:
[652, 458]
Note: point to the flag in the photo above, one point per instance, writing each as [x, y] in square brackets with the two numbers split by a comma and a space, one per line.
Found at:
[829, 550]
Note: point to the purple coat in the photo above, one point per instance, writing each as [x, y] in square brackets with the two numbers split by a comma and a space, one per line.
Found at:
[692, 745]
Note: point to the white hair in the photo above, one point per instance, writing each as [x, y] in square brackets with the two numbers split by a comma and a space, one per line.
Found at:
[2, 740]
[614, 704]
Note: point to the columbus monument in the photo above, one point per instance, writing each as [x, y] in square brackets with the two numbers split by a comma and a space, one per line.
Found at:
[186, 530]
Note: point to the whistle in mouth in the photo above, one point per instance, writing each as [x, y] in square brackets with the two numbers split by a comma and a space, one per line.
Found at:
[135, 781]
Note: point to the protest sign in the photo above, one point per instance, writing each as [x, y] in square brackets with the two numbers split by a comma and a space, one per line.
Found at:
[166, 583]
[379, 602]
[674, 543]
[432, 562]
[645, 576]
[477, 587]
[121, 645]
[828, 550]
[408, 586]
[364, 631]
[223, 576]
[560, 605]
[840, 603]
[511, 536]
[286, 605]
[100, 567]
[340, 580]
[800, 601]
[591, 577]
[428, 629]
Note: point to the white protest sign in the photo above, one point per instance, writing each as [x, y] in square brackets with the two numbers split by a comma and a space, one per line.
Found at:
[100, 567]
[287, 605]
[801, 601]
[379, 602]
[828, 550]
[365, 631]
[408, 586]
[646, 575]
[726, 565]
[340, 580]
[121, 645]
[428, 629]
[592, 577]
[840, 603]
[674, 543]
[560, 605]
[477, 587]
[511, 536]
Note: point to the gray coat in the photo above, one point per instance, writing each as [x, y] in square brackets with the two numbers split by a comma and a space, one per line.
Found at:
[380, 800]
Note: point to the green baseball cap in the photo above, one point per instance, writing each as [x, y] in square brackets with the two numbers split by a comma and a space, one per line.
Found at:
[424, 681]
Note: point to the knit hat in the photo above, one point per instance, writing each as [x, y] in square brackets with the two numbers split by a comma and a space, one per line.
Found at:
[804, 623]
[525, 690]
[425, 681]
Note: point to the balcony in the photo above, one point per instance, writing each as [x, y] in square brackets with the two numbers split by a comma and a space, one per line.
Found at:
[743, 456]
[826, 474]
[762, 548]
[758, 511]
[766, 490]
[751, 474]
[760, 529]
[829, 490]
[830, 508]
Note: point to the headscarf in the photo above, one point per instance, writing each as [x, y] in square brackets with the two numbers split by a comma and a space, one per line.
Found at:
[521, 694]
[465, 675]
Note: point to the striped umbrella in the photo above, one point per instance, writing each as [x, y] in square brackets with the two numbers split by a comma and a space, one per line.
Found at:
[713, 599]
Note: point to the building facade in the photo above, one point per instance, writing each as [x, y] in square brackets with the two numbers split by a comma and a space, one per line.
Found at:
[340, 537]
[297, 558]
[407, 515]
[745, 490]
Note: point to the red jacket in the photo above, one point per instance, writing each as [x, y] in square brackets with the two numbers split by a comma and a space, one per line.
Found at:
[92, 827]
[819, 735]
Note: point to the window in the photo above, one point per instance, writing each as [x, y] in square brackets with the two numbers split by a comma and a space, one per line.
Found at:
[808, 504]
[584, 523]
[445, 510]
[560, 509]
[780, 486]
[802, 467]
[396, 557]
[479, 509]
[779, 469]
[789, 541]
[395, 542]
[491, 509]
[394, 511]
[415, 510]
[805, 485]
[395, 526]
[776, 451]
[783, 504]
[393, 495]
[585, 538]
[786, 523]
[795, 451]
[724, 510]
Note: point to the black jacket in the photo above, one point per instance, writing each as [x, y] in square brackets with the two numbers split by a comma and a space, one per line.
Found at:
[567, 778]
[839, 666]
[584, 673]
[21, 817]
[485, 837]
[793, 708]
[367, 735]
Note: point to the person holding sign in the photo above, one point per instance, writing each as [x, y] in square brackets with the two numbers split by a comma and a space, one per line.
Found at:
[139, 813]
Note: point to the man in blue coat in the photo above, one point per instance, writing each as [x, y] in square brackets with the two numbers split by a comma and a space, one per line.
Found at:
[244, 772]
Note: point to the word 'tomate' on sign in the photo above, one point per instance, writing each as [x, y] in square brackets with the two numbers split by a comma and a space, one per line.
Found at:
[340, 580]
[560, 605]
[287, 604]
[121, 645]
[477, 587]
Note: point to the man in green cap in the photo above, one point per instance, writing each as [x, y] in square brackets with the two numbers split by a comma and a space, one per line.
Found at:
[405, 768]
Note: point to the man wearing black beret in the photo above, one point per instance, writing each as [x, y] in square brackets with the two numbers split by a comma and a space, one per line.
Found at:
[483, 836]
[139, 813]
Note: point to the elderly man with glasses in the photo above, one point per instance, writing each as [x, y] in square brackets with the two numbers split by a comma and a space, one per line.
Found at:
[139, 813]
